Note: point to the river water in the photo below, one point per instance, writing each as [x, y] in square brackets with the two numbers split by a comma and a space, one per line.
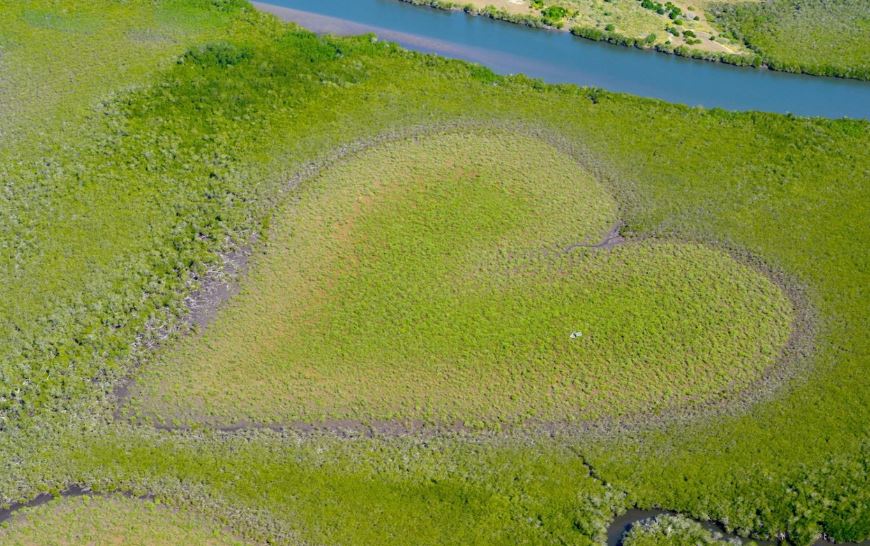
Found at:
[559, 57]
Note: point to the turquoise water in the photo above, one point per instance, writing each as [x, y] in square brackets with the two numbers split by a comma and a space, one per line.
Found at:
[560, 57]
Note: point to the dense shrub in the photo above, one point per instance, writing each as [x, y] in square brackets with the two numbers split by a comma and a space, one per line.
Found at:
[672, 531]
[823, 37]
[220, 54]
[554, 12]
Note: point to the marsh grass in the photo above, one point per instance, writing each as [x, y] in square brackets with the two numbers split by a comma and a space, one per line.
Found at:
[116, 200]
[111, 520]
[823, 37]
[440, 279]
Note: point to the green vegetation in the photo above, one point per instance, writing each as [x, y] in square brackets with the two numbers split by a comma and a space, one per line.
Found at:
[289, 489]
[672, 531]
[110, 520]
[824, 37]
[120, 190]
[435, 280]
[58, 193]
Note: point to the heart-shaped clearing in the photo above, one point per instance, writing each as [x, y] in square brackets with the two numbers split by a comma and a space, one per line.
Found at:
[455, 278]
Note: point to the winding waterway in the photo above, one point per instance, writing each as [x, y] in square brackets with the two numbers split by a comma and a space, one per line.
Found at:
[616, 531]
[559, 57]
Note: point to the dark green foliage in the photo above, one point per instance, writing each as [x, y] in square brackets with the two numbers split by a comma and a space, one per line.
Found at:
[598, 35]
[554, 12]
[230, 6]
[88, 339]
[220, 54]
[668, 8]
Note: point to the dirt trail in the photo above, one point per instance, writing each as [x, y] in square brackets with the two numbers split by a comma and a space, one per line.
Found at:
[610, 240]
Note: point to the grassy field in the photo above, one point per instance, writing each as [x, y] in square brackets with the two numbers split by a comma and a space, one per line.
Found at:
[439, 280]
[114, 205]
[825, 37]
[110, 520]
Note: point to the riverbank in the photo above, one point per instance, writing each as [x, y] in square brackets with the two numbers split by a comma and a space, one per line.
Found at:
[695, 40]
[724, 34]
[559, 57]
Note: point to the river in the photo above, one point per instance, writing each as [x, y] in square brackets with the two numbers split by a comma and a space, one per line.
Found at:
[559, 57]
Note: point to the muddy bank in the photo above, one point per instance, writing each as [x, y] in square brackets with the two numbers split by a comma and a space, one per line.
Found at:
[72, 491]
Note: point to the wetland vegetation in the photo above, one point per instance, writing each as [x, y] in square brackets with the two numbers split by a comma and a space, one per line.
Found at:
[455, 278]
[672, 531]
[823, 37]
[111, 520]
[142, 143]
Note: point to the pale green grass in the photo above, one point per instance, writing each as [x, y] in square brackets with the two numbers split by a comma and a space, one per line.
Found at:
[110, 520]
[430, 280]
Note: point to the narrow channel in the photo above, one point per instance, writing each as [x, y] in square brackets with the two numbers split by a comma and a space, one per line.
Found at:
[619, 527]
[559, 57]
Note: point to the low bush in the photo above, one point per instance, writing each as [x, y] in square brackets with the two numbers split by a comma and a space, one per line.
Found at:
[673, 531]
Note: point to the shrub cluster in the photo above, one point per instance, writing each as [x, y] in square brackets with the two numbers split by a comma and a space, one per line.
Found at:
[673, 11]
[670, 530]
